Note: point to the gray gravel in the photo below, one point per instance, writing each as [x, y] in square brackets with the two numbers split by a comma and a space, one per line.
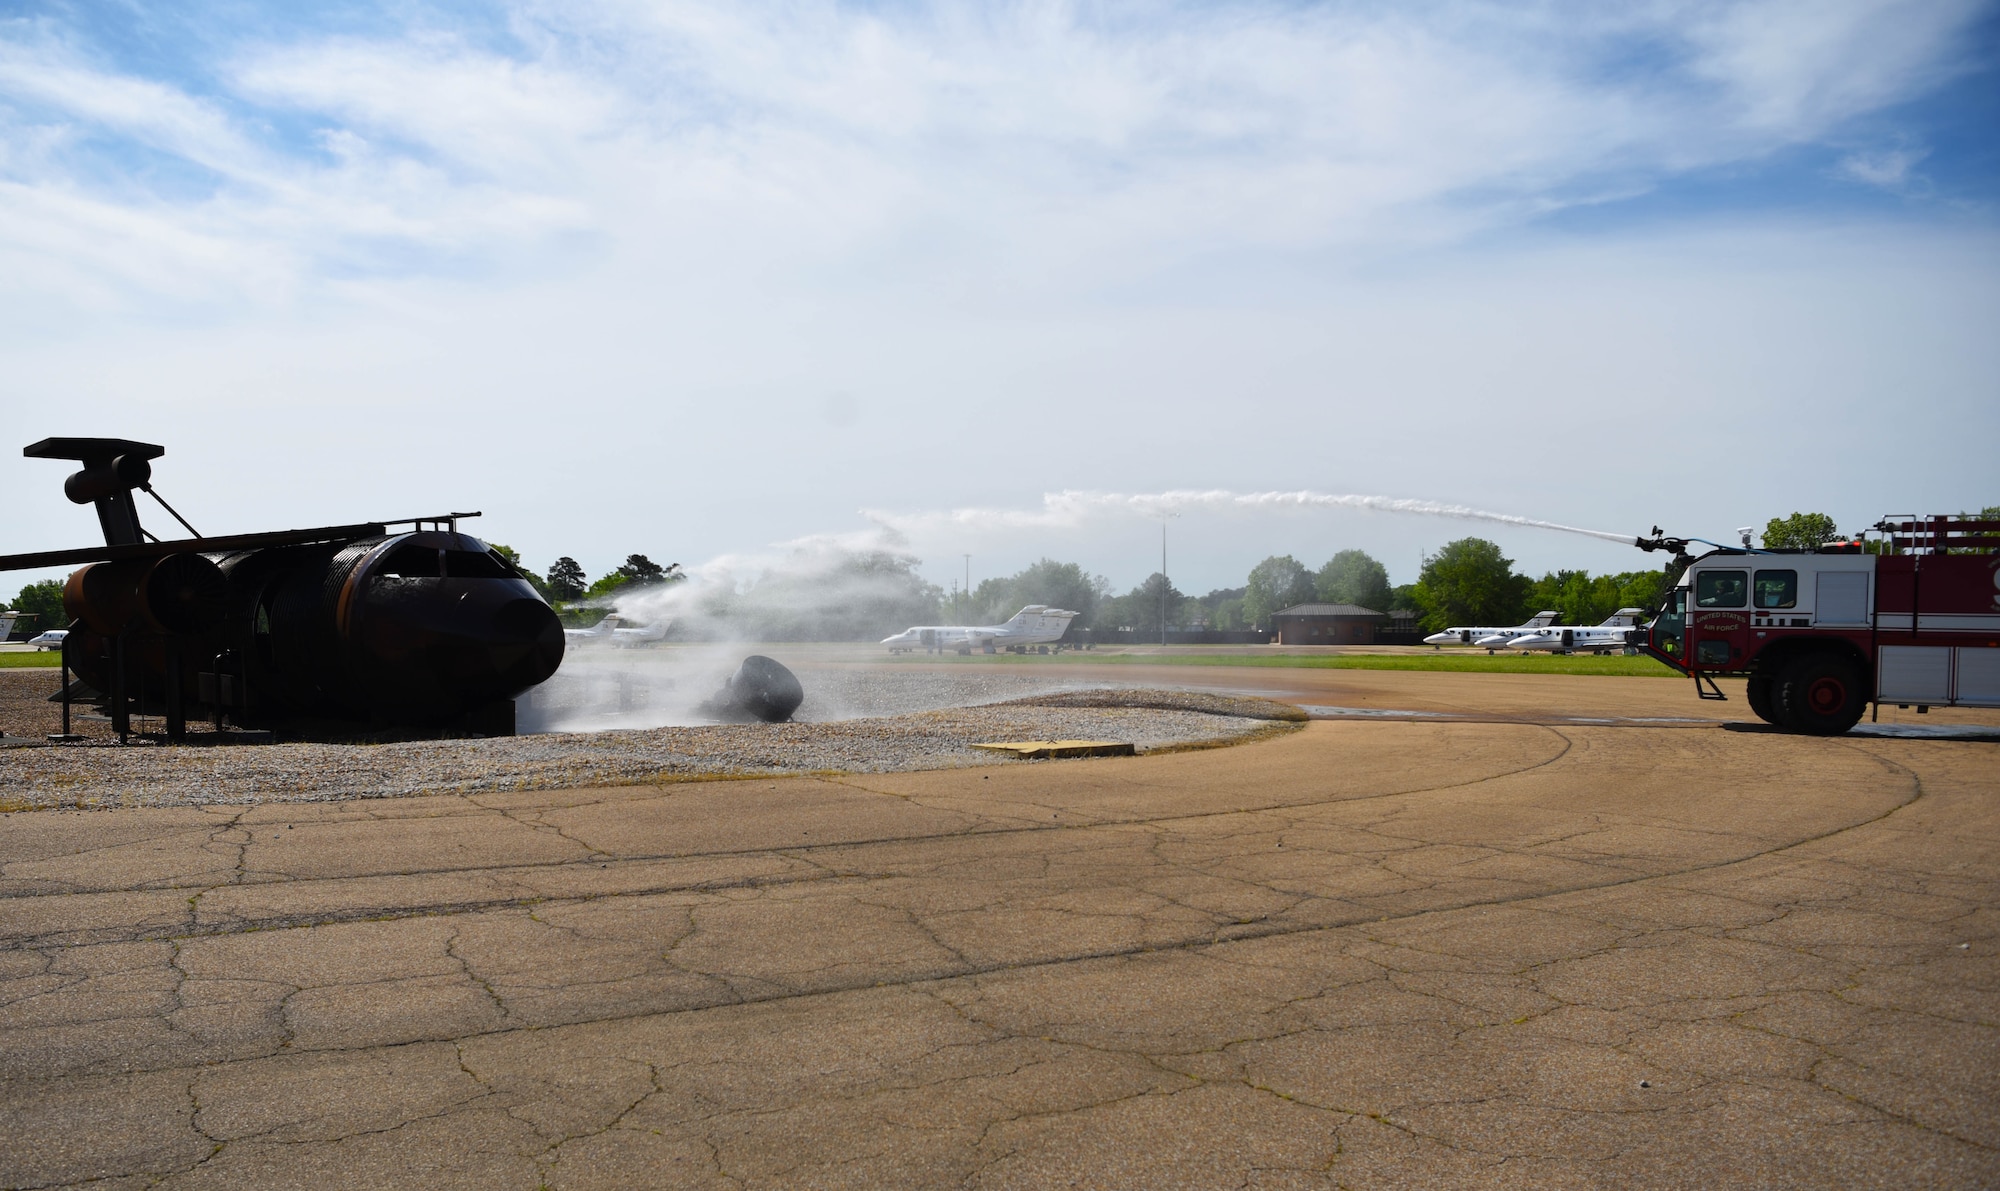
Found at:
[639, 689]
[150, 775]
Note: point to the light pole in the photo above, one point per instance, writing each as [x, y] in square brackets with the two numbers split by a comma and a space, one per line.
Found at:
[966, 612]
[1164, 583]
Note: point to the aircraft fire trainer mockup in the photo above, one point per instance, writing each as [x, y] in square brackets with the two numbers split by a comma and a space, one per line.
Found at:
[419, 626]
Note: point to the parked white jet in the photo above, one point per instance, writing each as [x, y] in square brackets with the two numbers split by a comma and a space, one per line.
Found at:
[1564, 638]
[615, 630]
[1491, 638]
[1036, 624]
[52, 639]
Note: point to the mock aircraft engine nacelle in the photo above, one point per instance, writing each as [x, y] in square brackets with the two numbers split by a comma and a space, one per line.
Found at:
[181, 593]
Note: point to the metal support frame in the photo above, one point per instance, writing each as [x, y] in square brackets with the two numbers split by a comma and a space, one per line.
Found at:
[176, 708]
[66, 734]
[121, 710]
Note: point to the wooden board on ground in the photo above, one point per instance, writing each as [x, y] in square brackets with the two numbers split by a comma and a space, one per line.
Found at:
[1036, 750]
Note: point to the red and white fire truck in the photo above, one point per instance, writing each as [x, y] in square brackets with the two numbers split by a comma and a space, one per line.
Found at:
[1912, 618]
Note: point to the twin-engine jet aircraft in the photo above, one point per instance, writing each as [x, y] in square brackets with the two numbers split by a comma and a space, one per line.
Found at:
[1036, 624]
[1490, 638]
[1602, 638]
[615, 630]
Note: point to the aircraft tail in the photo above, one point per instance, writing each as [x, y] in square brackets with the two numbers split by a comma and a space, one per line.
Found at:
[1540, 620]
[1624, 618]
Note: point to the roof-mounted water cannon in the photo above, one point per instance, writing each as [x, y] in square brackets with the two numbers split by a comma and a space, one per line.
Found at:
[1659, 541]
[1744, 532]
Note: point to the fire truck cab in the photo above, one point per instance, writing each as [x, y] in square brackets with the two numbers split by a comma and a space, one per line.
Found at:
[1911, 618]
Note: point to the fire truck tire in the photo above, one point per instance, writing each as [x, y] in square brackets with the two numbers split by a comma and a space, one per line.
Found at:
[1820, 695]
[1758, 692]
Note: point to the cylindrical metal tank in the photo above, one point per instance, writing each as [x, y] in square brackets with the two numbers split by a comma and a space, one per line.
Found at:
[422, 628]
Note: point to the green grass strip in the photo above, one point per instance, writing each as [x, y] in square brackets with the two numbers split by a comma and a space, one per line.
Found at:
[13, 660]
[1616, 665]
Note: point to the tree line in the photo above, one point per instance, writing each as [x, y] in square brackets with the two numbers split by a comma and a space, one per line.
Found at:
[872, 594]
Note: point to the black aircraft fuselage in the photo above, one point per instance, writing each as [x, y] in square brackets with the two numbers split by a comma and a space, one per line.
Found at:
[427, 627]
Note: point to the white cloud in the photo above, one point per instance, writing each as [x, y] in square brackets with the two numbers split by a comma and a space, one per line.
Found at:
[604, 285]
[1041, 143]
[1889, 169]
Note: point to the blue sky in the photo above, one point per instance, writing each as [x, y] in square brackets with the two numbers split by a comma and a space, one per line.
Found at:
[694, 279]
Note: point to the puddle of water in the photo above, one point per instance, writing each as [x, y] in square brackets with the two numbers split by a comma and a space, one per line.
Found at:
[1927, 731]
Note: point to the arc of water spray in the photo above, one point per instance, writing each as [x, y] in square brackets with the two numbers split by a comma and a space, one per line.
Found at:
[1070, 508]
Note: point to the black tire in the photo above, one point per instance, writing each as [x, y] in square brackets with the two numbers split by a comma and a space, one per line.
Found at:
[1758, 692]
[1819, 695]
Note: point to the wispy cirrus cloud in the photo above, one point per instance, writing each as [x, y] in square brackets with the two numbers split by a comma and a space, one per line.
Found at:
[1051, 139]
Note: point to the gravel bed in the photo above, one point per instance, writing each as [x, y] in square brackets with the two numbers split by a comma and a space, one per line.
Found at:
[151, 775]
[662, 689]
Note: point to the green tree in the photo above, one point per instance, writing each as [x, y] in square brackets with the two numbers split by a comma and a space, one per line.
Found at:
[566, 579]
[1142, 605]
[1469, 582]
[1645, 590]
[1578, 597]
[513, 558]
[1058, 584]
[1139, 608]
[640, 571]
[636, 571]
[1800, 531]
[43, 601]
[1353, 577]
[1221, 608]
[1276, 584]
[1226, 614]
[1985, 542]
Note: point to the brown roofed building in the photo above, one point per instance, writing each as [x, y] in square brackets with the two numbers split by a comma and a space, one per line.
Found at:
[1328, 624]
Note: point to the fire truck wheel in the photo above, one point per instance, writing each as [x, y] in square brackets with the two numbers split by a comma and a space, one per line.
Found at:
[1758, 692]
[1820, 695]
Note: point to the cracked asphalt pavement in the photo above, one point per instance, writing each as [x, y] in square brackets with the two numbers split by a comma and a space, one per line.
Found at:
[1364, 954]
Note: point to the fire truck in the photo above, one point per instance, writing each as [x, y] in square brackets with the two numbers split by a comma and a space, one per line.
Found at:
[1910, 618]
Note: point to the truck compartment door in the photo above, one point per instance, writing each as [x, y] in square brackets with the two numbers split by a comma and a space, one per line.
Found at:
[1913, 673]
[1841, 598]
[1979, 677]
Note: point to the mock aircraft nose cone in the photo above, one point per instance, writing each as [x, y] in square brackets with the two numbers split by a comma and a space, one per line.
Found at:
[528, 634]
